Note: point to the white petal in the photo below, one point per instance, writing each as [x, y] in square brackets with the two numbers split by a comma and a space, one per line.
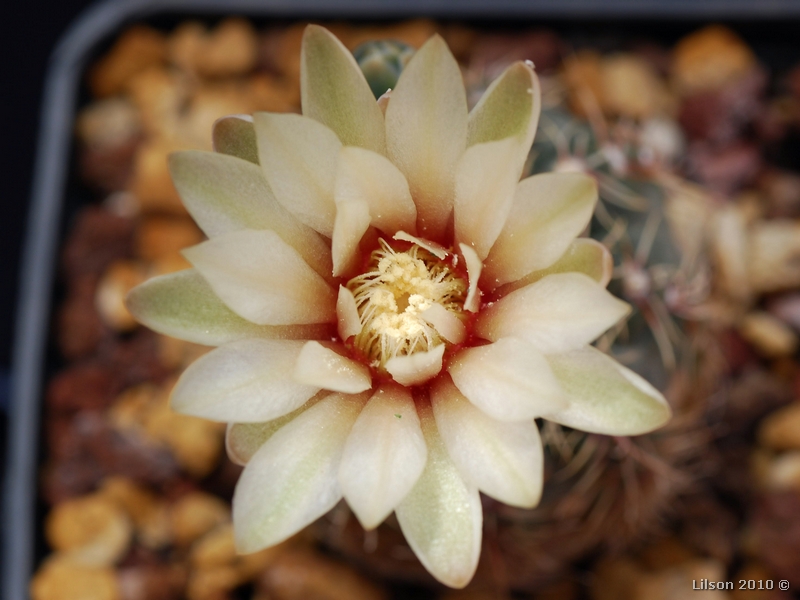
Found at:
[225, 193]
[509, 380]
[184, 306]
[441, 517]
[384, 455]
[263, 279]
[416, 368]
[474, 269]
[426, 131]
[549, 211]
[605, 397]
[437, 250]
[299, 156]
[349, 323]
[486, 179]
[449, 326]
[584, 255]
[242, 440]
[335, 92]
[322, 367]
[243, 382]
[352, 222]
[291, 480]
[503, 460]
[561, 312]
[369, 177]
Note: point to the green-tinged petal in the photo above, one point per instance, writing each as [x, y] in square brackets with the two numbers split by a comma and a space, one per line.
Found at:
[549, 211]
[605, 397]
[235, 135]
[224, 193]
[486, 179]
[510, 107]
[384, 455]
[352, 222]
[509, 380]
[426, 132]
[503, 460]
[242, 440]
[416, 368]
[292, 479]
[322, 367]
[335, 92]
[243, 382]
[558, 313]
[184, 306]
[441, 517]
[263, 279]
[299, 156]
[584, 255]
[371, 178]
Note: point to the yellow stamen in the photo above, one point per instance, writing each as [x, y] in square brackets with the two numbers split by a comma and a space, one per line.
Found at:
[391, 296]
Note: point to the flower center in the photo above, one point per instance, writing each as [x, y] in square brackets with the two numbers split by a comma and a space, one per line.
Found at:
[400, 301]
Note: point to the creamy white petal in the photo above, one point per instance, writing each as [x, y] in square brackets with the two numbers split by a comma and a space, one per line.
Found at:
[509, 380]
[352, 222]
[474, 270]
[242, 440]
[322, 367]
[486, 179]
[263, 279]
[503, 460]
[549, 211]
[292, 479]
[235, 135]
[224, 193]
[371, 178]
[416, 368]
[349, 323]
[384, 455]
[558, 313]
[449, 326]
[184, 306]
[584, 255]
[441, 517]
[335, 92]
[437, 250]
[500, 133]
[299, 156]
[605, 397]
[426, 131]
[243, 382]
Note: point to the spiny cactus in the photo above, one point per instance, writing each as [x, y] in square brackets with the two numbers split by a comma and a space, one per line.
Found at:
[382, 61]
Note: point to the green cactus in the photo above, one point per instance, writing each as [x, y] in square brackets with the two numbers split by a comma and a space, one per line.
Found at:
[382, 61]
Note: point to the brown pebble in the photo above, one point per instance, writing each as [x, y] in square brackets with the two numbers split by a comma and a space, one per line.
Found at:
[780, 430]
[97, 239]
[92, 530]
[307, 575]
[58, 579]
[159, 236]
[195, 514]
[152, 582]
[138, 48]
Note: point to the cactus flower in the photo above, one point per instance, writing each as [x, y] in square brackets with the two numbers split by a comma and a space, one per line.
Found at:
[392, 308]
